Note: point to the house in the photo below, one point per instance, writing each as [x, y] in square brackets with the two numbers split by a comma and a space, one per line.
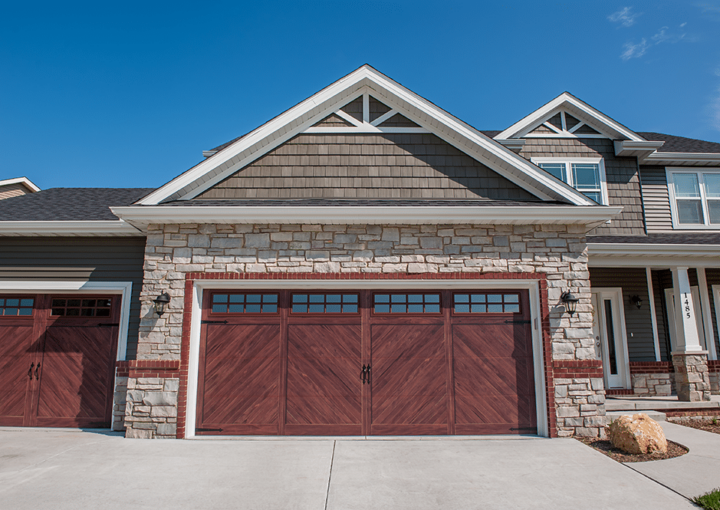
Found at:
[366, 263]
[16, 187]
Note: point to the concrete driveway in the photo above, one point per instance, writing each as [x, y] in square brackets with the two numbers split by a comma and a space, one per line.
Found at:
[61, 469]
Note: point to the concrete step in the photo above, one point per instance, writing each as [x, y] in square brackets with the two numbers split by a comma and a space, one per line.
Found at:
[655, 415]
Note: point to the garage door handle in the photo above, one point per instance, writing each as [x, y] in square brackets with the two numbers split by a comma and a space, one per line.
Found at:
[30, 371]
[36, 371]
[365, 374]
[362, 374]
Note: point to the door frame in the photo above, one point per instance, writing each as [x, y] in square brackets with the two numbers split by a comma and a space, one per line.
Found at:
[616, 297]
[531, 285]
[122, 288]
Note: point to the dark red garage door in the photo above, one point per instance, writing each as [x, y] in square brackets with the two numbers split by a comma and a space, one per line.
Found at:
[57, 360]
[366, 363]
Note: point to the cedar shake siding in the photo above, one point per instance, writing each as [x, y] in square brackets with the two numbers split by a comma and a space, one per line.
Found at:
[410, 166]
[12, 190]
[622, 177]
[656, 199]
[78, 258]
[638, 322]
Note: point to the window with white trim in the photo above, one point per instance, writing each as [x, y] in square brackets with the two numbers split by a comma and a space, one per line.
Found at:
[587, 175]
[695, 198]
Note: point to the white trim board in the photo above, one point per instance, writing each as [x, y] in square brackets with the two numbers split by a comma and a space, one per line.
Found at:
[21, 180]
[201, 285]
[365, 80]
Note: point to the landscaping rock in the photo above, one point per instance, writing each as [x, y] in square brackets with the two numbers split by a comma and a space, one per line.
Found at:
[637, 434]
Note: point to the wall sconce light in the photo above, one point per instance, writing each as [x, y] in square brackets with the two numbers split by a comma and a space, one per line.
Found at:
[161, 303]
[570, 301]
[636, 301]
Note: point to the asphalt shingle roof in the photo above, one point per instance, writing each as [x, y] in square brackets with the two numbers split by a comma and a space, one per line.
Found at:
[69, 204]
[681, 144]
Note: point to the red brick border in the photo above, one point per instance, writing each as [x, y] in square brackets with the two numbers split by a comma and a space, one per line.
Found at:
[713, 365]
[190, 278]
[578, 369]
[651, 367]
[147, 368]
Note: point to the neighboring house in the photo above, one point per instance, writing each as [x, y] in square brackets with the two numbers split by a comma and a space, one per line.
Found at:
[16, 187]
[367, 263]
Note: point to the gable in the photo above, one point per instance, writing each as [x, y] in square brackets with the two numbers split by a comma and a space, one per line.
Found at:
[386, 165]
[561, 124]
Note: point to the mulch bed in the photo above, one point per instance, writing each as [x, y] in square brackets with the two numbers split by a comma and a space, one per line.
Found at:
[604, 446]
[706, 425]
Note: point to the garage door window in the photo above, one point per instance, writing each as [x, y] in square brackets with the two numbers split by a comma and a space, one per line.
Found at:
[245, 303]
[14, 307]
[324, 303]
[486, 303]
[81, 307]
[406, 303]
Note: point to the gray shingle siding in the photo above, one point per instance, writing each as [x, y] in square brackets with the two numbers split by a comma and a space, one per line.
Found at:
[656, 199]
[409, 166]
[622, 177]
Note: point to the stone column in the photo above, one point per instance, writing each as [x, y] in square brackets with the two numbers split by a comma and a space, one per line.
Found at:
[692, 379]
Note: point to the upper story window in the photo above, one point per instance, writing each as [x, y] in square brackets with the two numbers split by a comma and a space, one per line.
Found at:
[695, 198]
[587, 175]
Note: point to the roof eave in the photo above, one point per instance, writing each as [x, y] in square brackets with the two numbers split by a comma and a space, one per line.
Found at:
[68, 228]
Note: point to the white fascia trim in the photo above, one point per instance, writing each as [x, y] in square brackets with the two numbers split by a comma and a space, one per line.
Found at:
[564, 98]
[68, 228]
[654, 250]
[369, 215]
[21, 180]
[683, 157]
[632, 148]
[201, 285]
[280, 129]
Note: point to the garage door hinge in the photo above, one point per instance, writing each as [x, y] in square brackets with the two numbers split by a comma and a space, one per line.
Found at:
[213, 322]
[207, 430]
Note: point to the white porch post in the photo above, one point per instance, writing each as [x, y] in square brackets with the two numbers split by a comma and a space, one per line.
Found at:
[706, 313]
[686, 337]
[692, 379]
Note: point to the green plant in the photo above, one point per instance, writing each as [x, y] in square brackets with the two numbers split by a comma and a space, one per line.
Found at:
[714, 421]
[710, 500]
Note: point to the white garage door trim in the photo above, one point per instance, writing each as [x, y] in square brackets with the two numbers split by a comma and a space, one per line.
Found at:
[200, 286]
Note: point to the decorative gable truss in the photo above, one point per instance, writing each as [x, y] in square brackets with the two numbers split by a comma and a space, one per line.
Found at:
[365, 114]
[563, 125]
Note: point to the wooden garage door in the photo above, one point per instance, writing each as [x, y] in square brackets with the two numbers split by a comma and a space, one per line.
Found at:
[57, 358]
[366, 363]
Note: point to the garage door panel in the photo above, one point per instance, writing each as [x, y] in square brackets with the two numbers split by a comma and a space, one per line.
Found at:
[16, 346]
[409, 385]
[502, 340]
[241, 375]
[323, 380]
[491, 375]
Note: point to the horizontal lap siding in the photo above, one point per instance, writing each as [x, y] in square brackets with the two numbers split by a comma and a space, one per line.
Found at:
[713, 278]
[662, 280]
[78, 258]
[638, 322]
[656, 199]
[623, 182]
[367, 166]
[12, 190]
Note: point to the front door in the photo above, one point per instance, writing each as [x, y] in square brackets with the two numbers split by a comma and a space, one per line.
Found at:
[609, 333]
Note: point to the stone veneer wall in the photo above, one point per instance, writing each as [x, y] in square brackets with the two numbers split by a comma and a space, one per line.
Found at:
[558, 252]
[652, 378]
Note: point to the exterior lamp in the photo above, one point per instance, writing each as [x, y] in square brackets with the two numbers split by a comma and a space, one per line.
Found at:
[636, 301]
[161, 303]
[570, 301]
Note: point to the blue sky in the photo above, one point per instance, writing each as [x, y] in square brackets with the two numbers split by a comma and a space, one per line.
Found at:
[126, 94]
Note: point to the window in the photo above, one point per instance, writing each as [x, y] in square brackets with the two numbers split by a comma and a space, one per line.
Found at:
[81, 307]
[325, 303]
[486, 303]
[13, 306]
[695, 198]
[244, 303]
[406, 303]
[587, 175]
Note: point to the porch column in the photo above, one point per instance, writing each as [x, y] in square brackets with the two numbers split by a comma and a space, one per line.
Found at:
[692, 379]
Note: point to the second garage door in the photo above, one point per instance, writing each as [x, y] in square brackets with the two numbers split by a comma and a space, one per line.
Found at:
[366, 363]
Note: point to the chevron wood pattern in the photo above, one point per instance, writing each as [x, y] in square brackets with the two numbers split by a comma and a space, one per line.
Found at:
[241, 374]
[323, 379]
[408, 377]
[16, 355]
[75, 388]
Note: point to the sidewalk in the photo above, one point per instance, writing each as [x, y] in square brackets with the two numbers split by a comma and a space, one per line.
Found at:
[693, 474]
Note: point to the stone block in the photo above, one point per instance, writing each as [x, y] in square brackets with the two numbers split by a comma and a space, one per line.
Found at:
[431, 243]
[568, 412]
[167, 429]
[163, 411]
[172, 385]
[257, 240]
[133, 433]
[160, 398]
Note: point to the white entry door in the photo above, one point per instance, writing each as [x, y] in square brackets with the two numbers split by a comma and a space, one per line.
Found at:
[670, 306]
[609, 332]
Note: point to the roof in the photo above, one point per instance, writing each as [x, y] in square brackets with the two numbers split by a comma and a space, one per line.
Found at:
[69, 204]
[32, 188]
[680, 239]
[681, 144]
[362, 82]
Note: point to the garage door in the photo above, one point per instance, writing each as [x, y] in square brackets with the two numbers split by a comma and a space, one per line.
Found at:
[57, 358]
[366, 363]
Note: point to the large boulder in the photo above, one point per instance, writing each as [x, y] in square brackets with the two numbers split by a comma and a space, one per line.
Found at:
[637, 434]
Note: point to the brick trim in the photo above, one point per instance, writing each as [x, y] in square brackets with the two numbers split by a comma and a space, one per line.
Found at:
[619, 392]
[578, 369]
[651, 367]
[190, 278]
[713, 365]
[147, 368]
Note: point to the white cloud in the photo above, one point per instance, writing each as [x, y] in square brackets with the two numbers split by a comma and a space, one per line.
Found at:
[662, 36]
[634, 50]
[683, 24]
[624, 16]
